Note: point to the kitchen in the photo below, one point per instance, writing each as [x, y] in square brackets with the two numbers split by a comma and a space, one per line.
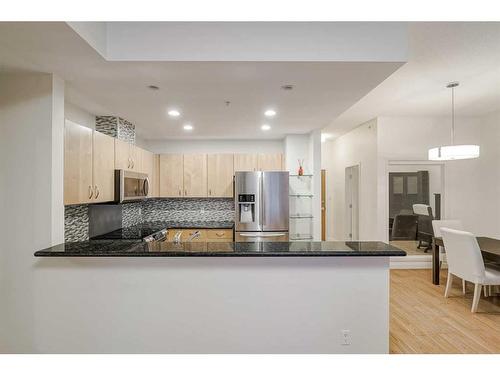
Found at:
[167, 198]
[167, 154]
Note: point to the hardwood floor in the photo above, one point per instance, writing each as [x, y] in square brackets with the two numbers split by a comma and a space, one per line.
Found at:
[423, 321]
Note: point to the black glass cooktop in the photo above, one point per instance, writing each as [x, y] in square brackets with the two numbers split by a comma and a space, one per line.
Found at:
[134, 232]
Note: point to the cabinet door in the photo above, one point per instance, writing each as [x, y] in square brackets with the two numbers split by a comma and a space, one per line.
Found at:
[155, 177]
[147, 168]
[77, 164]
[103, 156]
[270, 162]
[122, 155]
[195, 175]
[220, 171]
[245, 162]
[135, 154]
[171, 175]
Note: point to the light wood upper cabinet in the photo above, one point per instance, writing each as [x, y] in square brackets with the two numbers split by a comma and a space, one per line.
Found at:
[195, 175]
[150, 165]
[77, 164]
[127, 156]
[270, 162]
[155, 180]
[171, 175]
[246, 162]
[122, 155]
[220, 171]
[136, 154]
[103, 168]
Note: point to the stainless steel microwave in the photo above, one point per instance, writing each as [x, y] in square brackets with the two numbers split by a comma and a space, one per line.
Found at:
[130, 186]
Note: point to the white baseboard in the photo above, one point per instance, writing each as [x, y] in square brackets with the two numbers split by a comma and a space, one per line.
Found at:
[410, 262]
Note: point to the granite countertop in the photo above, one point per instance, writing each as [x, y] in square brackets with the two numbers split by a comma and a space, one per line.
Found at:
[127, 248]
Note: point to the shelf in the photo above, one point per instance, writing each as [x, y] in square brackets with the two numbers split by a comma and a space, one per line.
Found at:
[301, 217]
[303, 175]
[301, 195]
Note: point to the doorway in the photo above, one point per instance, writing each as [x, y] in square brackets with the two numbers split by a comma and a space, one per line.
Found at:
[352, 202]
[413, 183]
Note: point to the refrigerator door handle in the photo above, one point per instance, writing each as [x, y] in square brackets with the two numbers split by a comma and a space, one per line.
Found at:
[262, 204]
[262, 234]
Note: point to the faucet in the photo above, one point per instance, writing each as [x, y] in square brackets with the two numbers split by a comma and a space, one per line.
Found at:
[196, 234]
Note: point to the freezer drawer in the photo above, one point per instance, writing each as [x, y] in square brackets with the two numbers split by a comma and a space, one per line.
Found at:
[261, 237]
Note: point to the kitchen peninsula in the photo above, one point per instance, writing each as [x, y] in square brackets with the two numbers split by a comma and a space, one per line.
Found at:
[214, 297]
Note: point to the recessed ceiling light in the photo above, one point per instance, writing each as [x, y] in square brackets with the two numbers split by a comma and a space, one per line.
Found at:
[153, 87]
[174, 113]
[265, 127]
[287, 87]
[188, 127]
[270, 113]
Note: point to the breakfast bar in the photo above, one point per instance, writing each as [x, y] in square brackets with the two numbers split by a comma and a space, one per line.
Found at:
[209, 297]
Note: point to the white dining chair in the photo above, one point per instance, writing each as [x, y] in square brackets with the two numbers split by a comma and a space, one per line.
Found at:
[465, 261]
[436, 228]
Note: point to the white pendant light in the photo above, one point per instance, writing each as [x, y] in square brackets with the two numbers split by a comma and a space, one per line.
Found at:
[453, 151]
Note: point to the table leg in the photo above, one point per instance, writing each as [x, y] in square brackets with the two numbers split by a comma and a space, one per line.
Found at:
[435, 264]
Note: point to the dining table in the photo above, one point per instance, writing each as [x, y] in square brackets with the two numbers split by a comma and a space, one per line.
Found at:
[490, 250]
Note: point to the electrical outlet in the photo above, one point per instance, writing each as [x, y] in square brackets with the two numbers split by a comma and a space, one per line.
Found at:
[346, 337]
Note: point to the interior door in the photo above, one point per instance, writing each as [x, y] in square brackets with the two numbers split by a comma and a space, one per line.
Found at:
[77, 164]
[352, 202]
[220, 175]
[103, 167]
[195, 175]
[171, 176]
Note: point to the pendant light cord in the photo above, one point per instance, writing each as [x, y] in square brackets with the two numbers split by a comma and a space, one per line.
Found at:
[453, 116]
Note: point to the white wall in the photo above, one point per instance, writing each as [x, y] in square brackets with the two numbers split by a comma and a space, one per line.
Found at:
[78, 115]
[212, 305]
[31, 128]
[214, 146]
[359, 146]
[409, 138]
[254, 41]
[489, 164]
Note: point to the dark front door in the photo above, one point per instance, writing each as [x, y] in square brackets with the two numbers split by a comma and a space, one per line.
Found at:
[406, 189]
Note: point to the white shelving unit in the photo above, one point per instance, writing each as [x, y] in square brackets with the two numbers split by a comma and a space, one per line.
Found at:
[301, 217]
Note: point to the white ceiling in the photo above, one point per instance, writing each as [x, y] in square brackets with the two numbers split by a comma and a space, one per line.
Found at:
[323, 90]
[438, 54]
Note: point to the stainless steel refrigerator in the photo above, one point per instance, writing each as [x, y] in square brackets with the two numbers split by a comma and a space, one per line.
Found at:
[261, 204]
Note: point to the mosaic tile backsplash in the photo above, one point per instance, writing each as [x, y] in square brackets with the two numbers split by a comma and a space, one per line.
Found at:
[76, 223]
[159, 209]
[188, 209]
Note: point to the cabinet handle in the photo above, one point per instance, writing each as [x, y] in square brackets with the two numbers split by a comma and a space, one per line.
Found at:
[96, 192]
[185, 192]
[91, 192]
[180, 192]
[133, 164]
[209, 191]
[128, 166]
[219, 234]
